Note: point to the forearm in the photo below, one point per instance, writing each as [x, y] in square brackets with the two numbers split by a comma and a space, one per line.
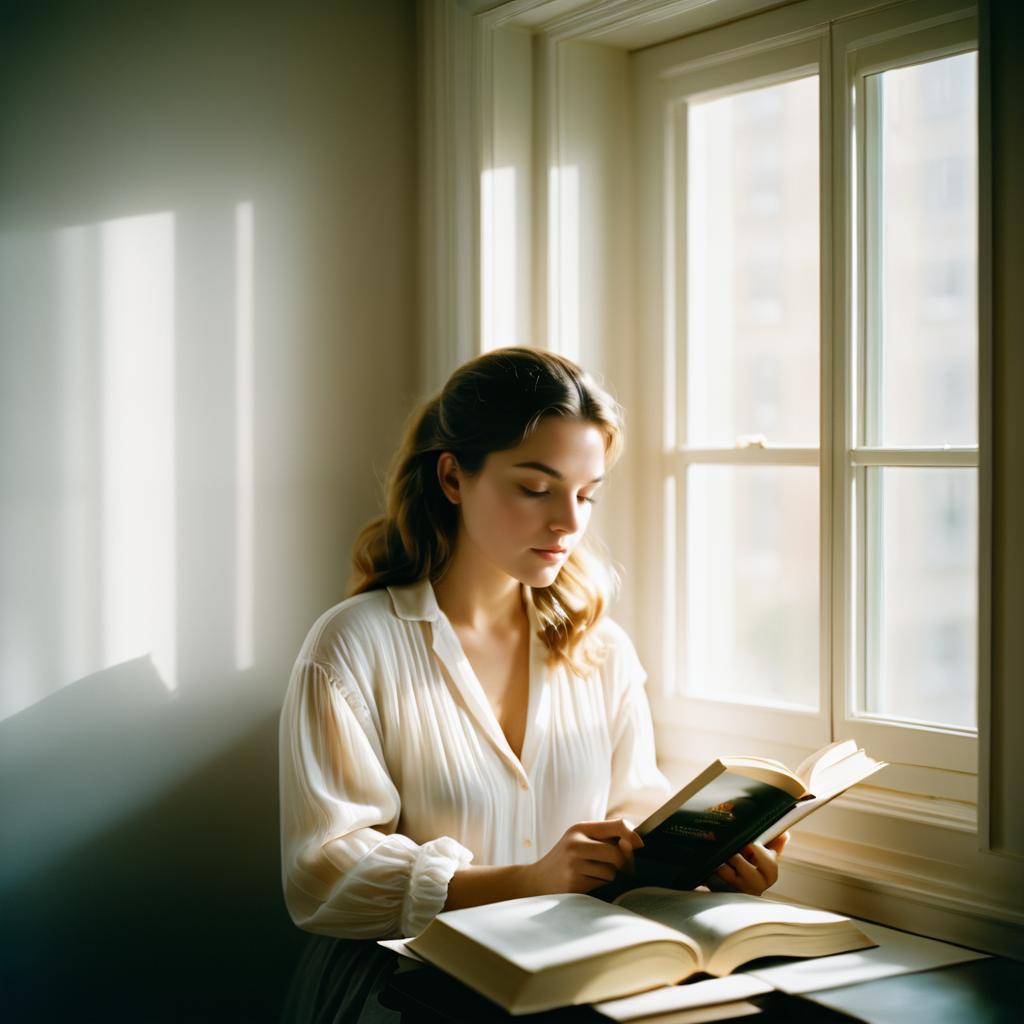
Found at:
[473, 886]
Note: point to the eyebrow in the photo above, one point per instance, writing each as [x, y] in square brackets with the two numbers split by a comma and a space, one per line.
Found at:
[550, 472]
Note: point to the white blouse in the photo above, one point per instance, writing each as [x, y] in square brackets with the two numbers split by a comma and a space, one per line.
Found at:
[395, 772]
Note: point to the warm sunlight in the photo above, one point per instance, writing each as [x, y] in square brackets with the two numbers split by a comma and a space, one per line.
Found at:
[101, 439]
[498, 258]
[136, 389]
[564, 261]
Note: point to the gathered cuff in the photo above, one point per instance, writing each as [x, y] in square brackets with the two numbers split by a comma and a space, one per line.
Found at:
[436, 862]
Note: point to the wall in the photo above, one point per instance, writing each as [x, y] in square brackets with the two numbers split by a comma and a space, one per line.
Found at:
[207, 244]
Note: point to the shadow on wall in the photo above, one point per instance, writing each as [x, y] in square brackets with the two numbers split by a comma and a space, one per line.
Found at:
[206, 351]
[126, 897]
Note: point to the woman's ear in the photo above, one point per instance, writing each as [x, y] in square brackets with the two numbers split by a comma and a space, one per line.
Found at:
[448, 477]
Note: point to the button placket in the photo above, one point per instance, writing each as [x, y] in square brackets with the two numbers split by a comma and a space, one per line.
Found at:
[525, 823]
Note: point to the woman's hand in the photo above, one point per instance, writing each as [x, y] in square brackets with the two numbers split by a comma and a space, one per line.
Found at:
[587, 856]
[752, 870]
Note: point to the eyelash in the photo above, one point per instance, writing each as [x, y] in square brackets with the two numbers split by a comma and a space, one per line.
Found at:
[541, 494]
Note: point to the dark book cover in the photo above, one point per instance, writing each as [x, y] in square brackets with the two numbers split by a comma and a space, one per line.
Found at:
[715, 823]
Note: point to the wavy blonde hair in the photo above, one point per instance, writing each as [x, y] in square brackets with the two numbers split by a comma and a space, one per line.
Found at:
[492, 403]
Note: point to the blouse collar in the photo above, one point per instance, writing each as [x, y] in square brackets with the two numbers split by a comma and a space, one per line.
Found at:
[417, 602]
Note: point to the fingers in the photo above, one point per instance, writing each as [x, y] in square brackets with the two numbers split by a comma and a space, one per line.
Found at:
[590, 854]
[604, 848]
[741, 873]
[765, 861]
[605, 851]
[600, 871]
[613, 828]
[606, 842]
[753, 871]
[778, 844]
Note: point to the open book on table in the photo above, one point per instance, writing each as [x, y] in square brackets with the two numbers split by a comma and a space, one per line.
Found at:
[542, 952]
[735, 801]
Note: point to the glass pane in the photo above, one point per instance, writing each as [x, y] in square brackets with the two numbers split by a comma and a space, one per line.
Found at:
[752, 583]
[922, 593]
[752, 266]
[926, 286]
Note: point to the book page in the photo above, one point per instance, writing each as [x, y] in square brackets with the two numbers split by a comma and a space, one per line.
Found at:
[541, 932]
[823, 758]
[766, 769]
[710, 918]
[828, 782]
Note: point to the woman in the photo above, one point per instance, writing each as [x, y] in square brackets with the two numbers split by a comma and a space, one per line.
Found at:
[469, 725]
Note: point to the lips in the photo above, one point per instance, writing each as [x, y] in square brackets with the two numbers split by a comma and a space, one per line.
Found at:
[550, 555]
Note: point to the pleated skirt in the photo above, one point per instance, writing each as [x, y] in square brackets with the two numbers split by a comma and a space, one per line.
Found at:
[338, 981]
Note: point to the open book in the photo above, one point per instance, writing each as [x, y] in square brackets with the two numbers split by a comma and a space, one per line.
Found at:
[735, 801]
[541, 952]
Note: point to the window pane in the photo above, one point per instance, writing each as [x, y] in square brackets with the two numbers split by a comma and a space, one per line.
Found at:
[922, 586]
[926, 295]
[752, 266]
[752, 583]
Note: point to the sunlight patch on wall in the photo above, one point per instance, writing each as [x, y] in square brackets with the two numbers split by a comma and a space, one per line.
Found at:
[136, 390]
[498, 258]
[564, 261]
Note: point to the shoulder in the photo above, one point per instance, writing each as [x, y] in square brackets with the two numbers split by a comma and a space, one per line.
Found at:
[351, 630]
[621, 665]
[609, 631]
[612, 636]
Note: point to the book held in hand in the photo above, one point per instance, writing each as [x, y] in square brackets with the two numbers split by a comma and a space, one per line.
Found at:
[733, 802]
[541, 952]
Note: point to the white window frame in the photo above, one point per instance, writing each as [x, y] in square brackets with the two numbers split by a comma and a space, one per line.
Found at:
[931, 762]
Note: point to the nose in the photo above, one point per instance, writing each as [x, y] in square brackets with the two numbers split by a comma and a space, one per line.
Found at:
[568, 516]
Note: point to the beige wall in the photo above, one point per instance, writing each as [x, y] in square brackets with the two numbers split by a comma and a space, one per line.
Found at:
[171, 173]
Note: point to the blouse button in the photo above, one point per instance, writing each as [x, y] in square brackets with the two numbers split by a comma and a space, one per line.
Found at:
[527, 843]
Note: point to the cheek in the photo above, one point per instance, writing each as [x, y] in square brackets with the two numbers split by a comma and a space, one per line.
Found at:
[500, 515]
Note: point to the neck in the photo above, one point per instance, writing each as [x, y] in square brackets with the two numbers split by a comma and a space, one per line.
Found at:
[480, 597]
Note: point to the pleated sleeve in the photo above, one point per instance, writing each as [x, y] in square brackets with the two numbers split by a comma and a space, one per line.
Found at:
[637, 784]
[346, 872]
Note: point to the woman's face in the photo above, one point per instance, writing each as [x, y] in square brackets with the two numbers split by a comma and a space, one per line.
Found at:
[535, 496]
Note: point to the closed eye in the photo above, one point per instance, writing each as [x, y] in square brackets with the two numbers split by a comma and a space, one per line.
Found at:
[542, 494]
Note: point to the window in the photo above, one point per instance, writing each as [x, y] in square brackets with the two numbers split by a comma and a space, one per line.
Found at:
[813, 220]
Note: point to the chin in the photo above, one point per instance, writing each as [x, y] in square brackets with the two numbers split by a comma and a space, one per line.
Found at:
[545, 577]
